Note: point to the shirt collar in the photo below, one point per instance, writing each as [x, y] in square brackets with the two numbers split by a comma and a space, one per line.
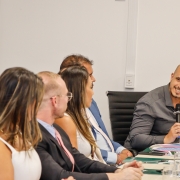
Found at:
[48, 127]
[167, 94]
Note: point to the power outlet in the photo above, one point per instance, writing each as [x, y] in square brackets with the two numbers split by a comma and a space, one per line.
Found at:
[129, 81]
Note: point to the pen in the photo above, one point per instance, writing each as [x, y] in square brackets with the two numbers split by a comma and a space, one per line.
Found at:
[155, 162]
[151, 162]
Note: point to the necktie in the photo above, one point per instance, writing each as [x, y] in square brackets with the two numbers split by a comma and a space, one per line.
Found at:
[59, 139]
[95, 125]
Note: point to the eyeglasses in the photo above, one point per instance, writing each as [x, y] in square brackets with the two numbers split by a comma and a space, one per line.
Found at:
[69, 95]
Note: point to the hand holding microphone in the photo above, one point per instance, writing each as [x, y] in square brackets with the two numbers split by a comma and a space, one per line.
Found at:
[175, 129]
[178, 117]
[177, 112]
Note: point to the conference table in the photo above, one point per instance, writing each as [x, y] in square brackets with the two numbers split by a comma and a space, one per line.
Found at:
[153, 166]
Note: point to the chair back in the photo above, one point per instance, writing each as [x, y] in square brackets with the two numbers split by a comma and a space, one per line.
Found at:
[121, 109]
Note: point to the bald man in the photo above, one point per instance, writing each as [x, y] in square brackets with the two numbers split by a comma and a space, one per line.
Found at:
[154, 120]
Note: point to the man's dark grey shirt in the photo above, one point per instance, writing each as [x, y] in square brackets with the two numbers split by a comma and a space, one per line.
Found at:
[153, 118]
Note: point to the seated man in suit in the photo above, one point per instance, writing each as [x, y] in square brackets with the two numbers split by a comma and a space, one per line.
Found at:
[112, 152]
[154, 120]
[58, 158]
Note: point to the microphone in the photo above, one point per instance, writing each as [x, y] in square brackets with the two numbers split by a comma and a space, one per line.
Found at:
[178, 113]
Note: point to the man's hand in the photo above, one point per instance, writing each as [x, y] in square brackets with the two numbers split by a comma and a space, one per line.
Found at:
[135, 164]
[174, 132]
[127, 152]
[69, 178]
[130, 171]
[123, 155]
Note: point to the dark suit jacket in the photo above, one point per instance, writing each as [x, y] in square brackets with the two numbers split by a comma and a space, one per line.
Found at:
[56, 165]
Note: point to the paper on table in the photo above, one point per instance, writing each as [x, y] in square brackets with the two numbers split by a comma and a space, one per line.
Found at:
[152, 171]
[146, 159]
[166, 147]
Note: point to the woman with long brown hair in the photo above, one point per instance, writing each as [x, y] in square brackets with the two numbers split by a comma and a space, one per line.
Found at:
[21, 93]
[75, 121]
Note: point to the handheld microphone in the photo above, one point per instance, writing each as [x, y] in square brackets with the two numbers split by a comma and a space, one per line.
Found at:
[178, 113]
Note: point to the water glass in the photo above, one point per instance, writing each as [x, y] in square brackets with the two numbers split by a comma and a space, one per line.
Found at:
[177, 157]
[169, 172]
[177, 171]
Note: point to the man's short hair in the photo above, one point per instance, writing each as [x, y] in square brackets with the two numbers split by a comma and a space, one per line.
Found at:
[49, 79]
[73, 60]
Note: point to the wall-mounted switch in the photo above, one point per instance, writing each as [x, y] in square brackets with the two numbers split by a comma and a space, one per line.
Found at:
[129, 81]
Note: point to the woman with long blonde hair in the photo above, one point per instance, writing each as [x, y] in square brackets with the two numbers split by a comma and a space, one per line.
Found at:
[21, 93]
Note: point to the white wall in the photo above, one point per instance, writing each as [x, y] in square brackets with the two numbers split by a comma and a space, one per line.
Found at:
[158, 43]
[38, 34]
